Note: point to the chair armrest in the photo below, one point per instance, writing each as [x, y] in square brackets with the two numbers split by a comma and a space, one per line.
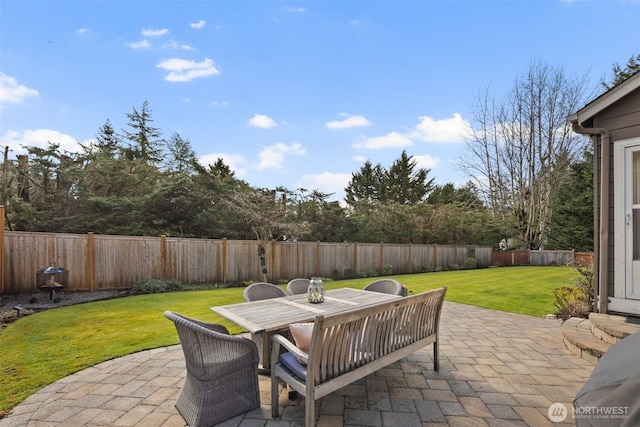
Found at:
[279, 340]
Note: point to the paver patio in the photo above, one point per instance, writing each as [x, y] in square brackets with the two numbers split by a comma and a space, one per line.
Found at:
[496, 369]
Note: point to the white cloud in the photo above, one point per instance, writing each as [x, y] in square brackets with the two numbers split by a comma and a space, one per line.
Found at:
[294, 9]
[272, 157]
[142, 44]
[426, 161]
[393, 139]
[198, 25]
[13, 93]
[83, 31]
[174, 45]
[261, 121]
[349, 122]
[40, 138]
[327, 182]
[454, 129]
[236, 162]
[154, 33]
[182, 70]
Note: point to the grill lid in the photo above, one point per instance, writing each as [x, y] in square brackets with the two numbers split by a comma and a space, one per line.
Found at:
[53, 270]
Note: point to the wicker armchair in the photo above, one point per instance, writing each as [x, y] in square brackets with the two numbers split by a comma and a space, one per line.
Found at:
[222, 372]
[385, 286]
[262, 290]
[298, 286]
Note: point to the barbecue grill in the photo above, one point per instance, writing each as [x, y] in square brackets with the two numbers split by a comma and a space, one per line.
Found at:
[51, 279]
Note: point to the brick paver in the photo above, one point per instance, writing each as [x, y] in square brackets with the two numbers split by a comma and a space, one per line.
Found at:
[496, 369]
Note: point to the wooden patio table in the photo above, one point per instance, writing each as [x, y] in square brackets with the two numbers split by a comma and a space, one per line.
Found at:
[265, 317]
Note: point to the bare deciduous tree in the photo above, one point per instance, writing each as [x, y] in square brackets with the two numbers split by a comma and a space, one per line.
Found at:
[521, 148]
[265, 213]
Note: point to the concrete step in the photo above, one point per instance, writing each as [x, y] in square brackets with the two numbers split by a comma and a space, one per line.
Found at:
[612, 328]
[591, 338]
[578, 338]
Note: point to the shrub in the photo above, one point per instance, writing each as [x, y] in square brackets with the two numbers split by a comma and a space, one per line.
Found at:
[576, 301]
[369, 273]
[571, 302]
[156, 286]
[388, 269]
[470, 264]
[585, 281]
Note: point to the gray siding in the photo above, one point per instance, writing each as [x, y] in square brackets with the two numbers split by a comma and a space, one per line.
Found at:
[622, 120]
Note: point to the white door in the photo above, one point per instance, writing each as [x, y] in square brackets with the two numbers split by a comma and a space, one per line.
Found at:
[627, 222]
[632, 223]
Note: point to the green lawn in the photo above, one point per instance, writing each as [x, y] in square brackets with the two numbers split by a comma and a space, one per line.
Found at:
[42, 348]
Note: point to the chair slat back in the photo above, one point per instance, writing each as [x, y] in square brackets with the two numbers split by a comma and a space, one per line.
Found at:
[342, 342]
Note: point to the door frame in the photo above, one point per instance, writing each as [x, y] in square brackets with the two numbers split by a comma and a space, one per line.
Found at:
[623, 250]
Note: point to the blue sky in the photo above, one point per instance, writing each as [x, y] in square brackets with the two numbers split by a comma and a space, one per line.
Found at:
[291, 93]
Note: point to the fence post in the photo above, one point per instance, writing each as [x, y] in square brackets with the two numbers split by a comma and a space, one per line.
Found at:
[435, 257]
[163, 257]
[273, 261]
[356, 270]
[224, 261]
[2, 213]
[91, 262]
[410, 258]
[381, 259]
[318, 258]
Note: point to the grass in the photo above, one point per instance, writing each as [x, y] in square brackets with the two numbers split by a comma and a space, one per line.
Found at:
[41, 348]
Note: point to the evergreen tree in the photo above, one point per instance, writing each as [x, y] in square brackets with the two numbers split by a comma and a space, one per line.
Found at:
[145, 141]
[366, 185]
[404, 184]
[181, 156]
[401, 183]
[621, 74]
[572, 221]
[466, 196]
[107, 141]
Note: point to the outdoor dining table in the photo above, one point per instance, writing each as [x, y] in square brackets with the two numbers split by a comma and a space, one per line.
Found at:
[264, 317]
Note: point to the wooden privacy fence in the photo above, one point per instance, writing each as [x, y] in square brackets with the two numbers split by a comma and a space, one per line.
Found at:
[105, 262]
[511, 258]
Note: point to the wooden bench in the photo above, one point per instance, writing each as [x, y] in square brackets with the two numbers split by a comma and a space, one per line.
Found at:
[351, 345]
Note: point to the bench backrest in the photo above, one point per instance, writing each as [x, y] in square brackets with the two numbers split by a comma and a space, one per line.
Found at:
[342, 342]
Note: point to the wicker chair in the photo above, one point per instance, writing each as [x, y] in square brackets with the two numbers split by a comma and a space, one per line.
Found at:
[262, 290]
[222, 372]
[385, 286]
[298, 286]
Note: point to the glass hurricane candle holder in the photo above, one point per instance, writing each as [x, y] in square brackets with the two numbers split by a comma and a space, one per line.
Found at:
[316, 291]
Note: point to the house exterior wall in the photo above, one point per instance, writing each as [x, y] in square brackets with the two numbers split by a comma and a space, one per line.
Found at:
[622, 120]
